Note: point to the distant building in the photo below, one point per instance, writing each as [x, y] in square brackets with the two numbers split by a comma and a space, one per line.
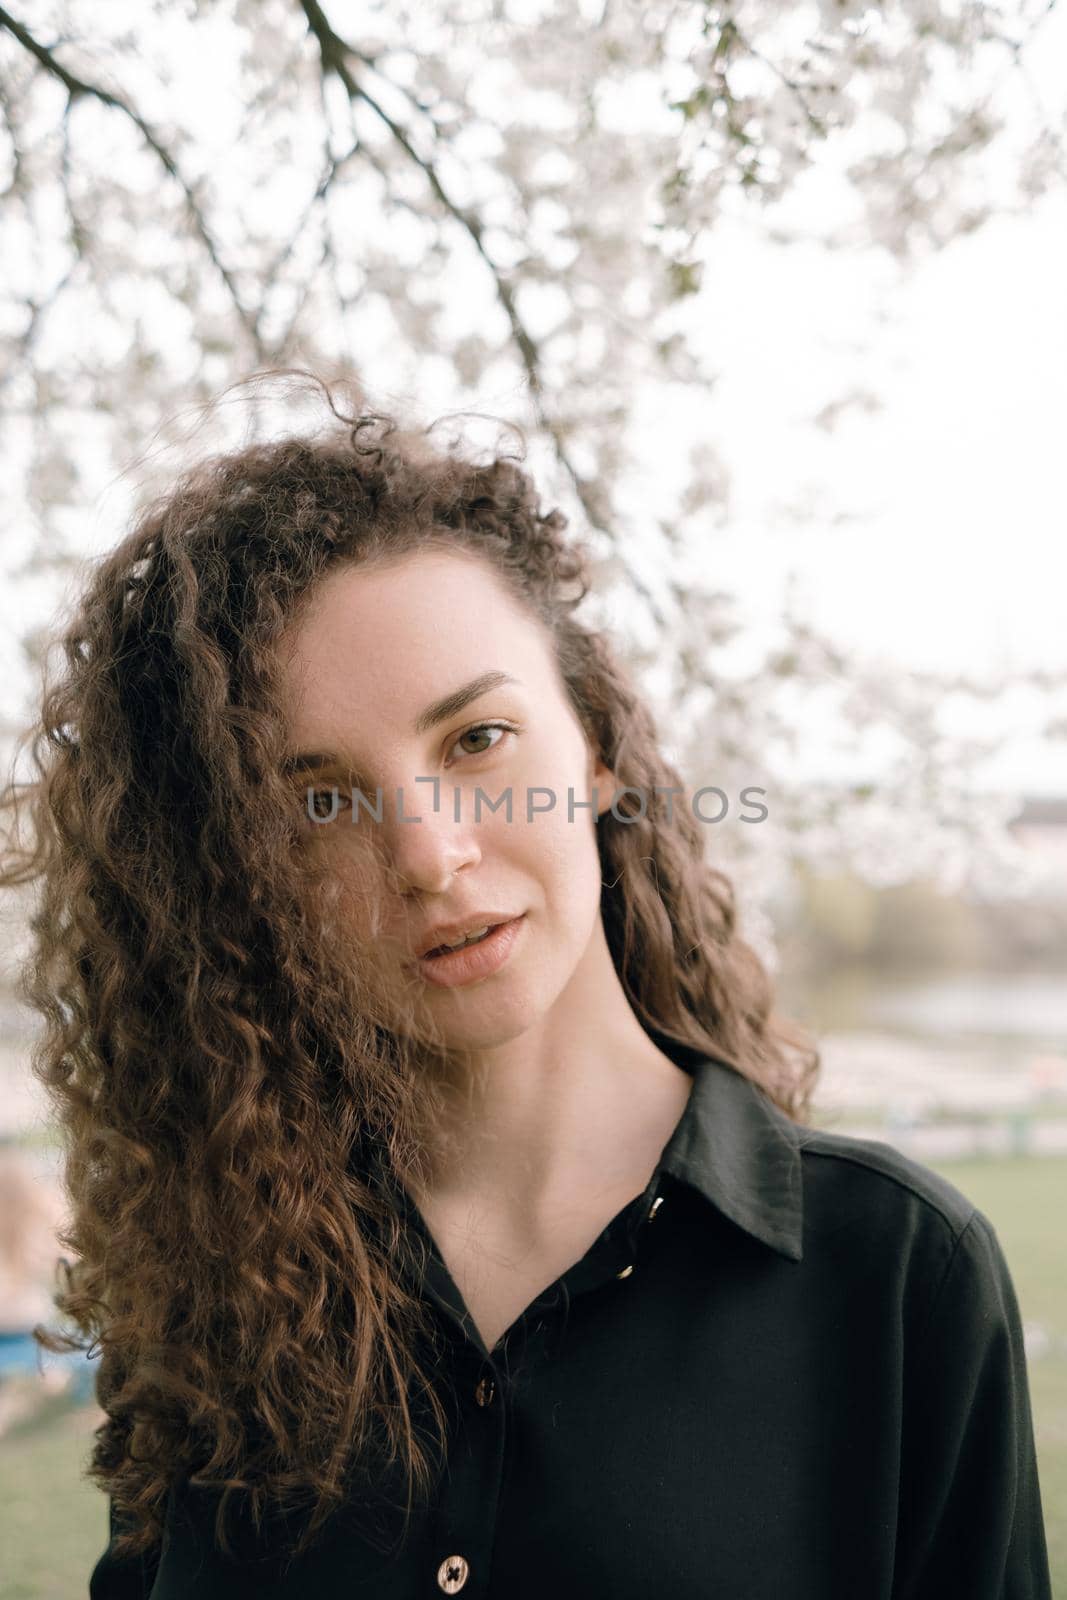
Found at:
[1040, 827]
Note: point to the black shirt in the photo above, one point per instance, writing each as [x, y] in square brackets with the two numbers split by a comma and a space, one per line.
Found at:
[791, 1369]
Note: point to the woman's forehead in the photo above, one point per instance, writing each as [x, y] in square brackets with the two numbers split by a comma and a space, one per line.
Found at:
[434, 613]
[427, 600]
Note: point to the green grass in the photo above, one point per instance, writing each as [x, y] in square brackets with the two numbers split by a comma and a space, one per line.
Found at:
[53, 1524]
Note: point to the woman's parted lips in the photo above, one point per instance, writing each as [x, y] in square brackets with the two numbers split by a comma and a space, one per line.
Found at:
[452, 932]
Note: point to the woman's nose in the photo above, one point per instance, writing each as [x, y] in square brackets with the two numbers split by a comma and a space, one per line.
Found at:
[426, 845]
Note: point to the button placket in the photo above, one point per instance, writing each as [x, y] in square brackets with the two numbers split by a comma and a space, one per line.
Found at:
[652, 1212]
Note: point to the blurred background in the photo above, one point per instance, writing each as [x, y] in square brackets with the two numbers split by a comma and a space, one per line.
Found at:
[776, 296]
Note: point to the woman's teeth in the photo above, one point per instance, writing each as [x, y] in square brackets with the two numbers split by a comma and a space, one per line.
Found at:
[472, 938]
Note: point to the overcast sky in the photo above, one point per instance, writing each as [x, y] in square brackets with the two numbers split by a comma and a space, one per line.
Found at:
[951, 549]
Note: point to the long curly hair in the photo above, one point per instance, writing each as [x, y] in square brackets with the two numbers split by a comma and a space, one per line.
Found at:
[237, 1104]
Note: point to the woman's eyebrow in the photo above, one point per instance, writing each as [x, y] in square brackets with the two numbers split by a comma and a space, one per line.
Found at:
[440, 711]
[454, 702]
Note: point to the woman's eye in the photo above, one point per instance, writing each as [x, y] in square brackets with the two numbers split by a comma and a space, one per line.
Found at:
[321, 803]
[480, 732]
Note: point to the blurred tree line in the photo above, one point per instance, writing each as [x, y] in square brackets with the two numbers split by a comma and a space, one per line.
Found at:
[834, 920]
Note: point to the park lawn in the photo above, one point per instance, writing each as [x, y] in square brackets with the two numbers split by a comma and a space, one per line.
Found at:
[55, 1523]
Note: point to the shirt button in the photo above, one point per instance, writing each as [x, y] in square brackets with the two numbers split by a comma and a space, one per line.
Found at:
[625, 1273]
[452, 1574]
[657, 1202]
[485, 1391]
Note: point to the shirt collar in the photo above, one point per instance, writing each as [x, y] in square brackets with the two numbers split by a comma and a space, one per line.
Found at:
[737, 1148]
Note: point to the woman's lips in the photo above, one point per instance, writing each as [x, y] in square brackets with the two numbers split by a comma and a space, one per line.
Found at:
[473, 961]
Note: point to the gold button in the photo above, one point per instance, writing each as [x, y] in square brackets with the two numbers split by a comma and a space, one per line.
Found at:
[625, 1273]
[485, 1391]
[452, 1574]
[657, 1202]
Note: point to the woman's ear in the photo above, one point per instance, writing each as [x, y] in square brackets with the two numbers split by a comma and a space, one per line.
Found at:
[603, 780]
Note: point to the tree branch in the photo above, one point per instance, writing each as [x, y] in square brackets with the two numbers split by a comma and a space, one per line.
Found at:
[78, 88]
[336, 54]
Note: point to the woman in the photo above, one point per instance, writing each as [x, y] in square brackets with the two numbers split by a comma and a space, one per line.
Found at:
[516, 1270]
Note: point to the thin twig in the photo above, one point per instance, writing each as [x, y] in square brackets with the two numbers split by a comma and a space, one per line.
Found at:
[79, 88]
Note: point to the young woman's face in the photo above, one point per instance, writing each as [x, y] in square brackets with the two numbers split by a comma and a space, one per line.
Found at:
[373, 653]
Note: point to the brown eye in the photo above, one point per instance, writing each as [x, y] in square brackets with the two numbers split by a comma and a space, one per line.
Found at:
[479, 732]
[320, 804]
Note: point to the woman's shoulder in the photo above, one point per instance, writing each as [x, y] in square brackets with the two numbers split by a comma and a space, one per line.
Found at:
[872, 1211]
[888, 1202]
[926, 1274]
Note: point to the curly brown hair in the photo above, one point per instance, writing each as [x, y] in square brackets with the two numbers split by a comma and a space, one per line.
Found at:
[237, 1107]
